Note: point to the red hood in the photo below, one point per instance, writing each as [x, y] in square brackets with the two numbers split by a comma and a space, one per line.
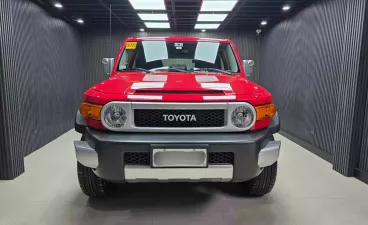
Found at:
[128, 83]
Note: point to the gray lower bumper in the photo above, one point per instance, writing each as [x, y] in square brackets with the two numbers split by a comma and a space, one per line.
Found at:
[215, 173]
[104, 151]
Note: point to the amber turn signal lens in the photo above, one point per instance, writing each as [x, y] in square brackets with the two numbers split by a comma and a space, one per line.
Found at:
[265, 111]
[90, 110]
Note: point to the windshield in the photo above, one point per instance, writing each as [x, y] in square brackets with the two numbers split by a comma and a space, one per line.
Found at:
[152, 56]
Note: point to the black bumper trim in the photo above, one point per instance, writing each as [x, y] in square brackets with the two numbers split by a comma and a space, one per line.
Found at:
[174, 138]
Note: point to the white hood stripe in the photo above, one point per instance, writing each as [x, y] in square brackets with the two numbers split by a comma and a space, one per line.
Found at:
[143, 85]
[205, 78]
[145, 97]
[159, 78]
[217, 86]
[226, 97]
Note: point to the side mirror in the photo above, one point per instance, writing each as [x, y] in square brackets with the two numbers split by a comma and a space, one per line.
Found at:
[108, 65]
[248, 67]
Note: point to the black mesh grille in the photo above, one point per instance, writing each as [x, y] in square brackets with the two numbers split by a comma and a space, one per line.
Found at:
[156, 118]
[137, 158]
[221, 158]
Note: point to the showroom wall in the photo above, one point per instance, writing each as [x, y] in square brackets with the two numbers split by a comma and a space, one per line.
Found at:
[363, 160]
[97, 45]
[41, 78]
[362, 168]
[312, 65]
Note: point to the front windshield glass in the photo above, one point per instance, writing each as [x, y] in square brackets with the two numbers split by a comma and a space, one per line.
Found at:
[153, 56]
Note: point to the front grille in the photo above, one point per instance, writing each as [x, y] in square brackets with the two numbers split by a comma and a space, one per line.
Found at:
[143, 158]
[221, 158]
[137, 158]
[156, 118]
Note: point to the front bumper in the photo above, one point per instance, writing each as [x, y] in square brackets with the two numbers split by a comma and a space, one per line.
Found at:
[105, 151]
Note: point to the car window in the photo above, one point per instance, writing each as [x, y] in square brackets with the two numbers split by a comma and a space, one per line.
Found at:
[190, 56]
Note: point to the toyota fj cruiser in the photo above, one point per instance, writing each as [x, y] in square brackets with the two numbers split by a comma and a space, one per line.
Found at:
[177, 109]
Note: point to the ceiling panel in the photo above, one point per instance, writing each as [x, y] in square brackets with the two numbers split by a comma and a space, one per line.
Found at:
[182, 14]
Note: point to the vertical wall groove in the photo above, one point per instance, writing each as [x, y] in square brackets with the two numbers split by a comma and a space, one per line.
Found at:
[310, 63]
[42, 80]
[344, 158]
[11, 159]
[98, 46]
[363, 159]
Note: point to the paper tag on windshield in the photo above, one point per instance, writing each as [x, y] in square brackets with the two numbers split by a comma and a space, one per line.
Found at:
[155, 50]
[131, 45]
[206, 51]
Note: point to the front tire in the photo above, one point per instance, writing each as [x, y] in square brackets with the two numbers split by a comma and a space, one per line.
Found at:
[263, 183]
[90, 183]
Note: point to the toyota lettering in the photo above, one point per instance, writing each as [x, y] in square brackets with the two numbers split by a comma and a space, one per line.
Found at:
[182, 118]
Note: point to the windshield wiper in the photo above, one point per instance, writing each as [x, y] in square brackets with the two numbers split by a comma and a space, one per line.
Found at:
[136, 69]
[214, 70]
[178, 70]
[174, 70]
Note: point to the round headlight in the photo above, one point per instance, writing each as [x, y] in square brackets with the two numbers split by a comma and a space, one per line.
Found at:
[115, 116]
[242, 116]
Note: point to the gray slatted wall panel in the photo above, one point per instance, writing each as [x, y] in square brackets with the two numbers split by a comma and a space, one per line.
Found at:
[346, 140]
[98, 46]
[304, 61]
[42, 78]
[11, 158]
[363, 161]
[300, 65]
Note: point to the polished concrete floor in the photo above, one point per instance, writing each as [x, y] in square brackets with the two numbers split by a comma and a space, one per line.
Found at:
[307, 192]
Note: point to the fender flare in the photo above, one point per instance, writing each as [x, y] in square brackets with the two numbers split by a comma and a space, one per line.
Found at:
[80, 123]
[274, 126]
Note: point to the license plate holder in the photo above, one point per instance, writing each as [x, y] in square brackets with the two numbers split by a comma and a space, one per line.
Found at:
[179, 156]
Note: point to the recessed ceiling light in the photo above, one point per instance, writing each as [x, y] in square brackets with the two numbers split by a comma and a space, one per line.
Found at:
[286, 7]
[264, 22]
[203, 30]
[151, 16]
[157, 25]
[142, 30]
[80, 21]
[211, 17]
[206, 26]
[148, 4]
[210, 5]
[58, 5]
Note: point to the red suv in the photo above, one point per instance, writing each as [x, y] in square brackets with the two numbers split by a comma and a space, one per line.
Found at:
[177, 109]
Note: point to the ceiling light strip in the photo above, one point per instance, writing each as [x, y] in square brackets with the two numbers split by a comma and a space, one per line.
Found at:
[157, 24]
[202, 26]
[211, 17]
[153, 17]
[218, 6]
[148, 4]
[150, 19]
[214, 6]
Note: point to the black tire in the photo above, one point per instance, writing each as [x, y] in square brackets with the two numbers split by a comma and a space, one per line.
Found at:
[263, 183]
[90, 183]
